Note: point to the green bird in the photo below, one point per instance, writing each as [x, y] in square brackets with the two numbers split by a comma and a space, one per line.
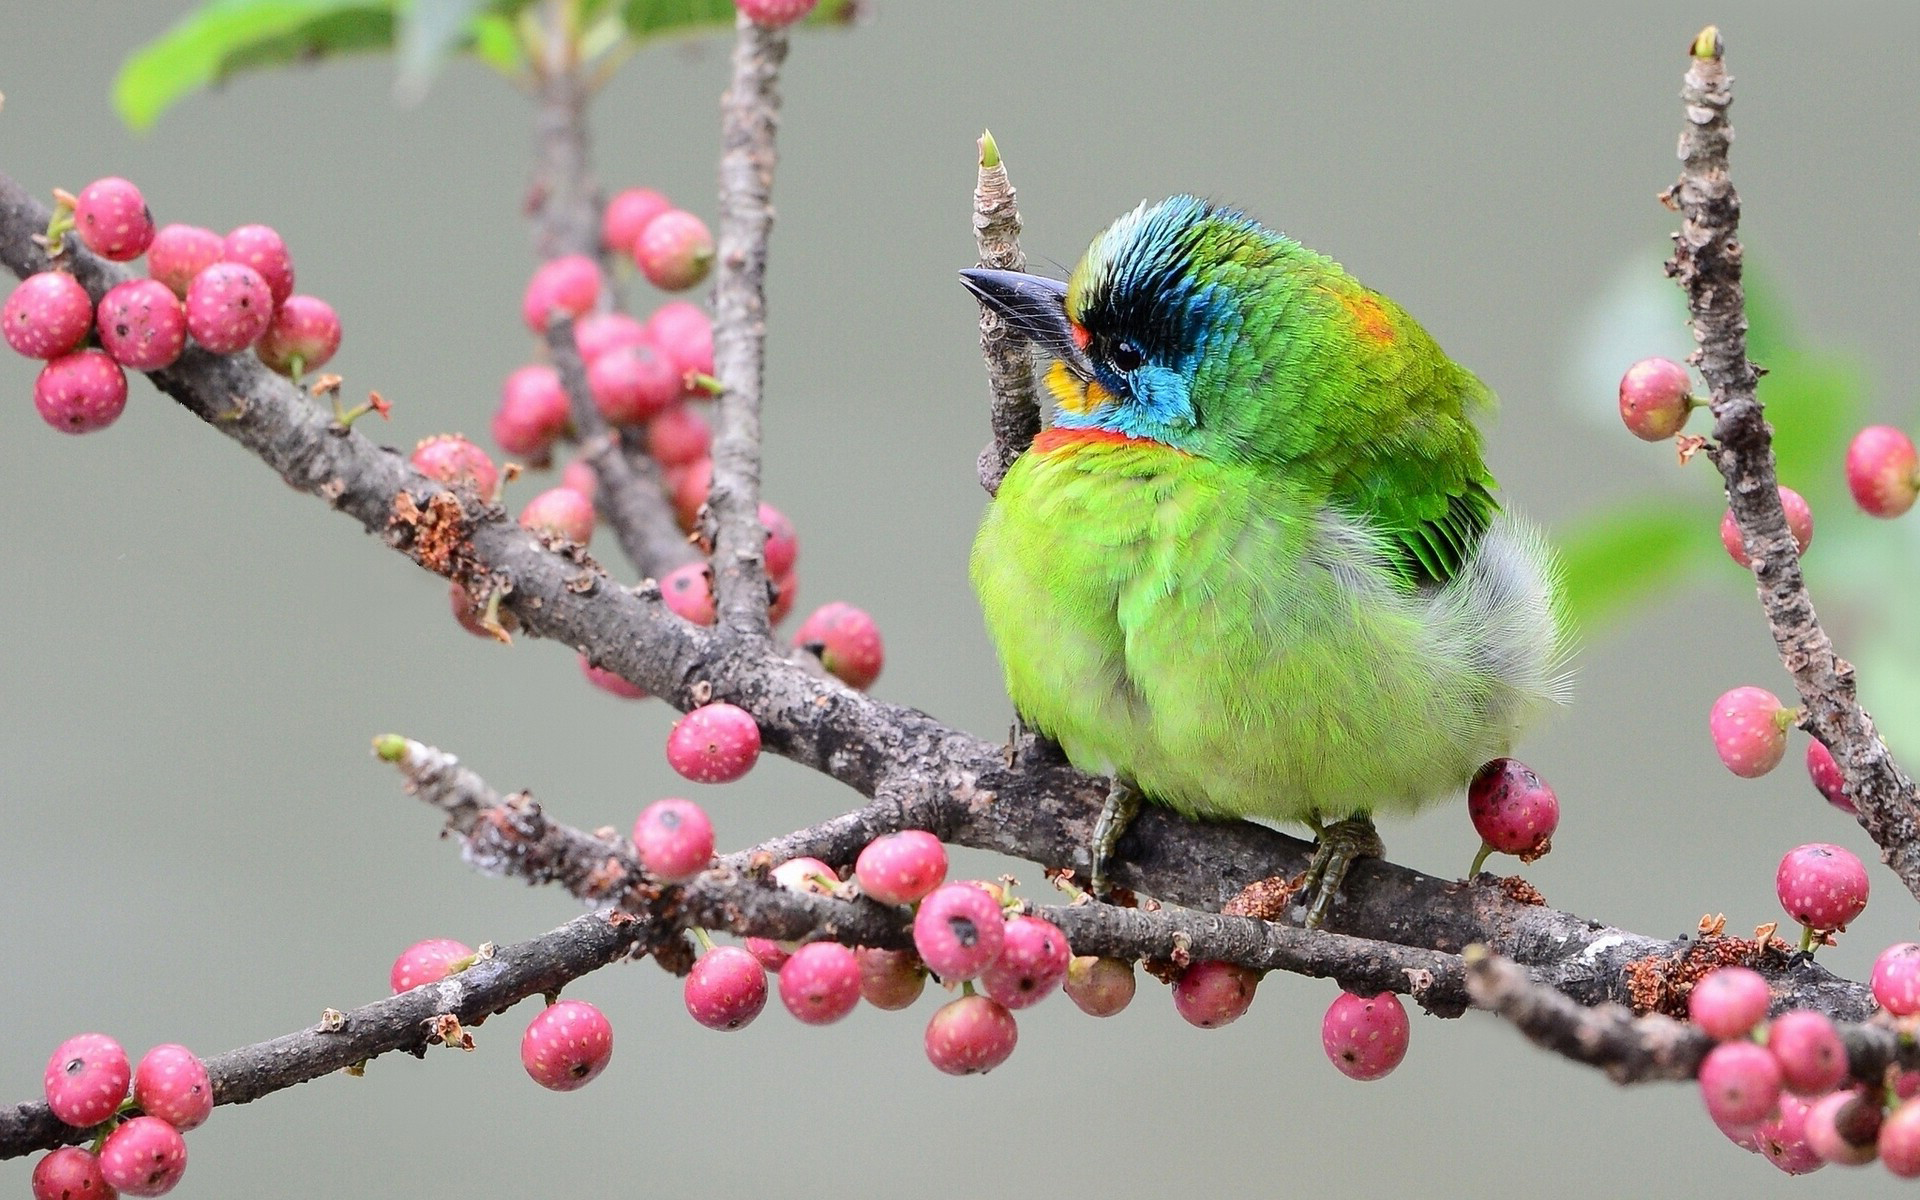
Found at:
[1255, 567]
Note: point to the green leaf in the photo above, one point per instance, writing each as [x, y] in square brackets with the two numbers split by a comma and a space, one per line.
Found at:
[228, 36]
[496, 44]
[1626, 554]
[430, 30]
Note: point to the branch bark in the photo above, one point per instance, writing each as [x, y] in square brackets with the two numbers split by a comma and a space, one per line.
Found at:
[1015, 414]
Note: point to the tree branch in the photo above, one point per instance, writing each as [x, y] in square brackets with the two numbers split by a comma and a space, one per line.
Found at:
[1015, 415]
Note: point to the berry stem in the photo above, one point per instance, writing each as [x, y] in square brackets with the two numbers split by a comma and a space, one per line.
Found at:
[706, 940]
[1479, 860]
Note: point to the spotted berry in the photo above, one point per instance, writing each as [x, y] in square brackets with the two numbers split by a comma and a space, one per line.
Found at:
[262, 248]
[179, 252]
[1210, 993]
[684, 333]
[171, 1083]
[632, 384]
[533, 413]
[1812, 1059]
[144, 1157]
[1365, 1037]
[890, 979]
[1899, 1142]
[428, 961]
[82, 392]
[958, 931]
[679, 437]
[1655, 398]
[674, 250]
[559, 512]
[112, 219]
[142, 324]
[454, 460]
[86, 1079]
[1100, 987]
[820, 982]
[674, 838]
[1822, 886]
[569, 284]
[1727, 1002]
[1749, 728]
[687, 591]
[1842, 1127]
[1896, 979]
[303, 336]
[1032, 963]
[900, 868]
[611, 682]
[971, 1035]
[627, 214]
[46, 315]
[600, 332]
[1799, 523]
[1827, 777]
[1883, 471]
[847, 641]
[715, 743]
[1512, 810]
[1740, 1082]
[228, 307]
[70, 1173]
[726, 989]
[567, 1046]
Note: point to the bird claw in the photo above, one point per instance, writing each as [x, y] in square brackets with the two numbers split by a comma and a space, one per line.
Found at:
[1341, 845]
[1116, 815]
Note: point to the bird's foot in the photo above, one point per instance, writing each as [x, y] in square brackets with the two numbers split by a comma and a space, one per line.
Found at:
[1122, 806]
[1341, 844]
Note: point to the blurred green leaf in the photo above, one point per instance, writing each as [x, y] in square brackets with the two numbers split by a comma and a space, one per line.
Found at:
[1814, 398]
[1628, 552]
[496, 44]
[430, 30]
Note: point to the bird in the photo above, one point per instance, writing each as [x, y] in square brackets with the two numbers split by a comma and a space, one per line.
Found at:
[1254, 565]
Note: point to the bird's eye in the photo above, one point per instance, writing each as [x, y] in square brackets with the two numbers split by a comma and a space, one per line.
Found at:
[1126, 356]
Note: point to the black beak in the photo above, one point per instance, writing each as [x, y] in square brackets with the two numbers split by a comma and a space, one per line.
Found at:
[1033, 307]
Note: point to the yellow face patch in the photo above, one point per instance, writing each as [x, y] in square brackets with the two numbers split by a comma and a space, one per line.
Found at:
[1073, 394]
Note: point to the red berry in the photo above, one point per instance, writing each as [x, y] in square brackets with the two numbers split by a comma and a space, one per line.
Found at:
[847, 641]
[1727, 1002]
[453, 460]
[1033, 962]
[567, 1045]
[597, 333]
[469, 613]
[1826, 776]
[1821, 885]
[112, 219]
[890, 979]
[47, 315]
[70, 1173]
[783, 545]
[533, 413]
[610, 682]
[1210, 994]
[1899, 1143]
[958, 931]
[627, 214]
[579, 476]
[1799, 523]
[1101, 987]
[1812, 1059]
[1365, 1037]
[971, 1036]
[716, 743]
[142, 324]
[262, 248]
[820, 983]
[679, 437]
[569, 284]
[1883, 471]
[684, 333]
[560, 513]
[726, 989]
[1749, 729]
[171, 1083]
[774, 14]
[787, 590]
[1740, 1082]
[674, 251]
[690, 488]
[144, 1157]
[1655, 398]
[1842, 1127]
[86, 1079]
[1512, 810]
[179, 252]
[429, 961]
[900, 868]
[632, 384]
[674, 838]
[228, 307]
[1783, 1139]
[770, 954]
[688, 592]
[1896, 979]
[303, 336]
[81, 392]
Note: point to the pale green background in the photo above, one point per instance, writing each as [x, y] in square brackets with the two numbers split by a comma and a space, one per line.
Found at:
[198, 848]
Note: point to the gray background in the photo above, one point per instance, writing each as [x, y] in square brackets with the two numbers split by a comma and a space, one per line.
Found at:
[198, 848]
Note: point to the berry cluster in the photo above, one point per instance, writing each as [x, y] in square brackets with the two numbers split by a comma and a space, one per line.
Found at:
[137, 1146]
[229, 293]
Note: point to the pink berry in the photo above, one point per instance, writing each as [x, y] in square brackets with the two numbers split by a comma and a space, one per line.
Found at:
[568, 284]
[783, 545]
[1799, 523]
[533, 413]
[262, 248]
[1842, 1127]
[171, 1083]
[787, 590]
[112, 219]
[47, 315]
[806, 875]
[726, 989]
[679, 437]
[1728, 1002]
[900, 868]
[579, 476]
[971, 1036]
[70, 1173]
[1900, 1140]
[1033, 962]
[454, 460]
[632, 384]
[674, 250]
[1821, 885]
[774, 14]
[1210, 994]
[958, 931]
[82, 392]
[1365, 1037]
[560, 513]
[684, 333]
[610, 682]
[228, 307]
[303, 336]
[1783, 1139]
[690, 487]
[1655, 398]
[627, 214]
[1883, 471]
[567, 1045]
[1512, 810]
[890, 980]
[674, 838]
[1740, 1082]
[1749, 729]
[1826, 776]
[144, 1157]
[1101, 987]
[1906, 1084]
[1896, 979]
[716, 743]
[770, 954]
[820, 983]
[470, 613]
[427, 961]
[597, 333]
[687, 591]
[847, 641]
[1812, 1059]
[86, 1079]
[142, 324]
[179, 252]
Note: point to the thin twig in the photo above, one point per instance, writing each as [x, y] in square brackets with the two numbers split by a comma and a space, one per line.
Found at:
[1015, 415]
